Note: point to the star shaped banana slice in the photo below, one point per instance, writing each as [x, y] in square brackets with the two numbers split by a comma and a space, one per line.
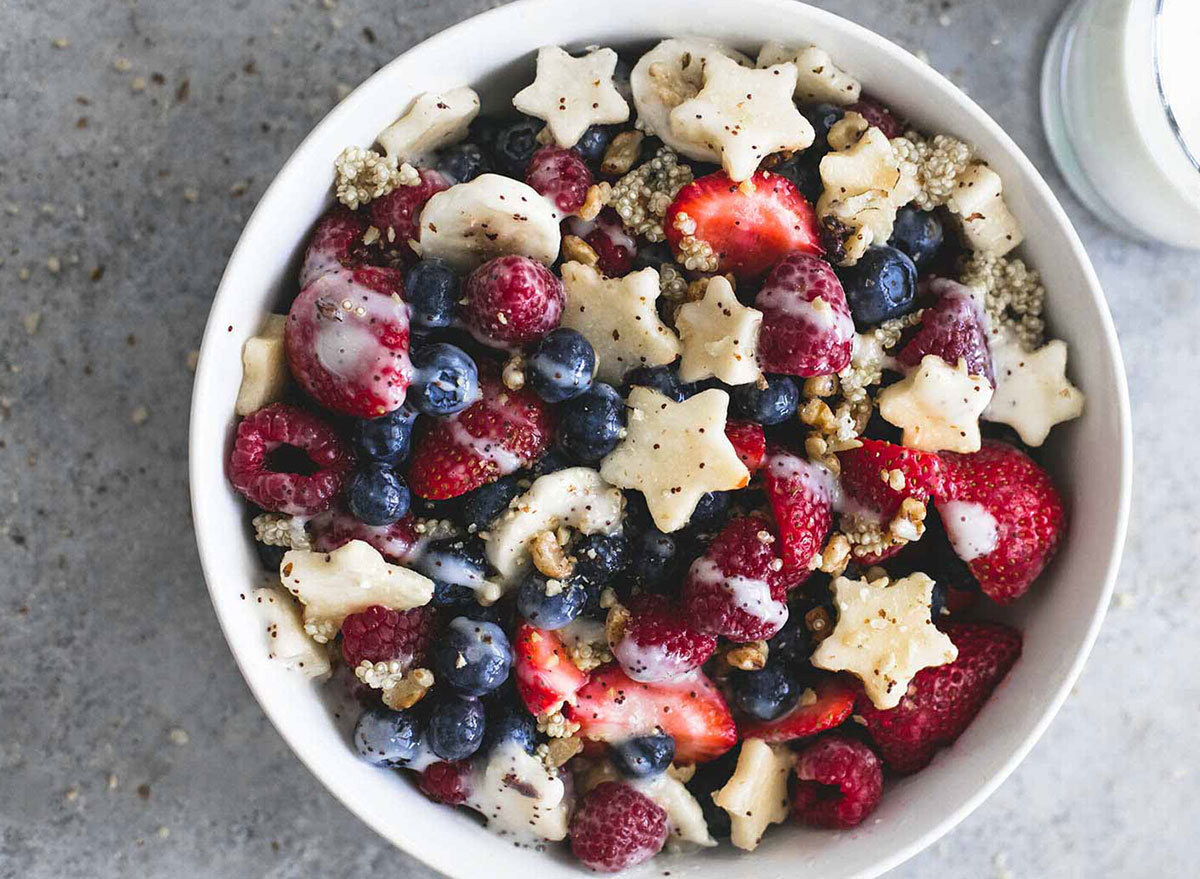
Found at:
[937, 406]
[719, 336]
[674, 453]
[744, 114]
[1032, 390]
[572, 94]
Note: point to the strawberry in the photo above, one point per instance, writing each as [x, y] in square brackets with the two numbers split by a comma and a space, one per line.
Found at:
[335, 243]
[838, 783]
[1003, 516]
[545, 675]
[612, 707]
[835, 702]
[867, 471]
[560, 175]
[397, 214]
[347, 341]
[807, 328]
[801, 497]
[398, 542]
[511, 300]
[657, 643]
[942, 701]
[953, 328]
[749, 442]
[500, 433]
[749, 226]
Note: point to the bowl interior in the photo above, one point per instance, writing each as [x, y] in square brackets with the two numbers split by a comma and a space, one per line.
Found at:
[1090, 457]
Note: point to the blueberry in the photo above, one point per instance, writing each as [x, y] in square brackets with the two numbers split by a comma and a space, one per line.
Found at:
[637, 514]
[387, 738]
[508, 721]
[463, 162]
[551, 462]
[457, 566]
[822, 117]
[594, 142]
[654, 557]
[663, 379]
[550, 606]
[653, 256]
[376, 495]
[917, 233]
[431, 289]
[803, 170]
[709, 778]
[515, 145]
[561, 365]
[765, 694]
[386, 438]
[600, 557]
[271, 557]
[590, 425]
[456, 727]
[938, 601]
[445, 380]
[482, 506]
[643, 755]
[774, 404]
[712, 507]
[472, 656]
[705, 384]
[880, 286]
[792, 645]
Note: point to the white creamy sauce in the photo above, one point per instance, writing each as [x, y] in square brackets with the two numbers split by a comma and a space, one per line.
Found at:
[519, 796]
[749, 595]
[487, 449]
[647, 662]
[348, 347]
[817, 312]
[972, 530]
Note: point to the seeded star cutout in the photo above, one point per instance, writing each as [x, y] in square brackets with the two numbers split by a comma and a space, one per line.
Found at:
[744, 114]
[618, 316]
[572, 94]
[937, 406]
[884, 635]
[719, 336]
[1032, 391]
[674, 453]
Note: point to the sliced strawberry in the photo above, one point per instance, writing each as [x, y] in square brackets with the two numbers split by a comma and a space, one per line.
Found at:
[336, 243]
[749, 226]
[749, 442]
[953, 328]
[942, 701]
[612, 707]
[657, 643]
[398, 542]
[835, 702]
[498, 434]
[545, 675]
[807, 328]
[868, 476]
[801, 497]
[1003, 516]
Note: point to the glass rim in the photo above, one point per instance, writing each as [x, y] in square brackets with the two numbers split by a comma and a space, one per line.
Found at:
[1164, 100]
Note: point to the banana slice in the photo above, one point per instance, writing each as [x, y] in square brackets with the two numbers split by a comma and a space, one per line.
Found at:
[286, 639]
[666, 76]
[490, 216]
[435, 120]
[265, 372]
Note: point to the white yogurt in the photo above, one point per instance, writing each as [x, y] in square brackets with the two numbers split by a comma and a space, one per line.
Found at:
[749, 595]
[972, 530]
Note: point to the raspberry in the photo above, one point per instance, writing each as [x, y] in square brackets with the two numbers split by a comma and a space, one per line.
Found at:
[953, 328]
[839, 784]
[806, 329]
[399, 542]
[879, 116]
[380, 634]
[512, 300]
[261, 470]
[658, 644]
[607, 236]
[615, 827]
[336, 243]
[445, 782]
[560, 175]
[397, 214]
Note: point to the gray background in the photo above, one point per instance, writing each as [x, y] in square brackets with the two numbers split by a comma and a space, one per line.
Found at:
[129, 744]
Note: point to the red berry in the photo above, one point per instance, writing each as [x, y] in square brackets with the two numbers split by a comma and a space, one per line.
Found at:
[749, 226]
[446, 782]
[607, 236]
[615, 827]
[1003, 516]
[347, 341]
[512, 300]
[866, 472]
[398, 214]
[807, 329]
[953, 328]
[263, 443]
[839, 783]
[545, 675]
[878, 115]
[336, 243]
[658, 644]
[398, 543]
[801, 495]
[560, 175]
[737, 588]
[380, 634]
[835, 702]
[942, 701]
[749, 442]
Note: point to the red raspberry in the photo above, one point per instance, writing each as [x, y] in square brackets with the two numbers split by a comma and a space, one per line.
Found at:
[347, 341]
[840, 781]
[398, 214]
[953, 328]
[807, 328]
[737, 588]
[879, 115]
[615, 827]
[446, 782]
[336, 243]
[658, 644]
[398, 542]
[264, 442]
[380, 634]
[607, 236]
[560, 175]
[512, 300]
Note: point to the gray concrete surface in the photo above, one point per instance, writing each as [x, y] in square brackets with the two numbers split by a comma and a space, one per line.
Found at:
[135, 137]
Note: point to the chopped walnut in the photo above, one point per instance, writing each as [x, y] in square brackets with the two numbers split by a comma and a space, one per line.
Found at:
[409, 690]
[597, 197]
[560, 751]
[575, 249]
[616, 623]
[513, 374]
[549, 557]
[836, 555]
[747, 657]
[622, 153]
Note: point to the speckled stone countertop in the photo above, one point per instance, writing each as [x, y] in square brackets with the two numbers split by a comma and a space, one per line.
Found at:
[135, 137]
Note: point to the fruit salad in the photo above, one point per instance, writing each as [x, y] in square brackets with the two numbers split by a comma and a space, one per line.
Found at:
[651, 455]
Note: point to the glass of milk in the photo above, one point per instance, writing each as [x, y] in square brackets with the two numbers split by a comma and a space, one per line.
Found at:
[1121, 103]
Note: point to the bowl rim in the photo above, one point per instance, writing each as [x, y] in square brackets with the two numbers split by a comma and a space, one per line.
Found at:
[442, 859]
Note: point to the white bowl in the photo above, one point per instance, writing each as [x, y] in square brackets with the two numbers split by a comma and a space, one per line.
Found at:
[1090, 458]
